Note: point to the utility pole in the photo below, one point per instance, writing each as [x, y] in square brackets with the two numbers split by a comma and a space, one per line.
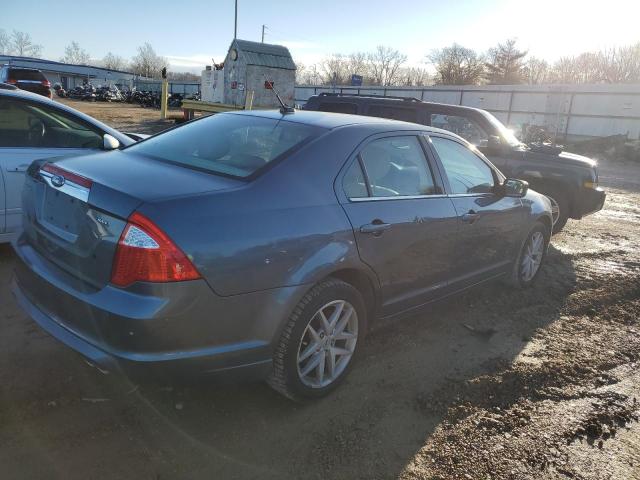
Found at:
[235, 24]
[263, 29]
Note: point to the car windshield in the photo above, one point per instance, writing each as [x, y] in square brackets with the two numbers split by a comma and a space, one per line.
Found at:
[227, 144]
[505, 133]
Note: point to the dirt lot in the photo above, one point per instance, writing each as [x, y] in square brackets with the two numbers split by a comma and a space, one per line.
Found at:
[124, 116]
[495, 384]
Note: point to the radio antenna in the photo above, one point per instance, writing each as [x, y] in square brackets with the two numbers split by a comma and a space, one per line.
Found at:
[284, 108]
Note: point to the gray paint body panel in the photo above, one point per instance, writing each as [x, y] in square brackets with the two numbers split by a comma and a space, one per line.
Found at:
[259, 245]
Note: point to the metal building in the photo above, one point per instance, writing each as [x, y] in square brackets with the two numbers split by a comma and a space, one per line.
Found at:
[69, 75]
[251, 66]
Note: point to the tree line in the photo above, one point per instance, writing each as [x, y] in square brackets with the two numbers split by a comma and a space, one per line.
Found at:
[504, 64]
[146, 62]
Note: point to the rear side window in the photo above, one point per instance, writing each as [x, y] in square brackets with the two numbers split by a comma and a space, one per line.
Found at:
[228, 144]
[394, 113]
[338, 107]
[22, 74]
[462, 126]
[397, 166]
[354, 183]
[467, 173]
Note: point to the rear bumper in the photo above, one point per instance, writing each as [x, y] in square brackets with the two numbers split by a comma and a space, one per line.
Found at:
[588, 201]
[172, 332]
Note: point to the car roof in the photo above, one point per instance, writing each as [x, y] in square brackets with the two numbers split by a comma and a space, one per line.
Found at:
[331, 120]
[406, 102]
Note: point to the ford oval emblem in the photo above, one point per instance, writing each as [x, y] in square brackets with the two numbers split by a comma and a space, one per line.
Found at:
[57, 181]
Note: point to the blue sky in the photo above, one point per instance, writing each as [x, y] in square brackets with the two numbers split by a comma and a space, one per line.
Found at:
[191, 32]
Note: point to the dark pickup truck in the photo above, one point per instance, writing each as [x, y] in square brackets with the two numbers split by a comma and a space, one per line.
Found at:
[569, 180]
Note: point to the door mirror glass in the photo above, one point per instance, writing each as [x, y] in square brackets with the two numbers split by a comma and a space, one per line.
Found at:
[110, 142]
[513, 187]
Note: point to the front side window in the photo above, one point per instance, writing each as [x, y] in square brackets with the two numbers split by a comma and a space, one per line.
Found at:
[396, 166]
[466, 172]
[227, 144]
[462, 126]
[25, 124]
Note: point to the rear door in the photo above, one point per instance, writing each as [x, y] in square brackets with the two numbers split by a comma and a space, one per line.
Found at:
[405, 227]
[31, 131]
[490, 224]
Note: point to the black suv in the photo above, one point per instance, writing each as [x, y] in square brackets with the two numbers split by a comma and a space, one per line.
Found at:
[570, 181]
[29, 79]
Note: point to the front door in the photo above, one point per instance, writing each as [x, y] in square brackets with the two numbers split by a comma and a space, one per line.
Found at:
[405, 228]
[490, 224]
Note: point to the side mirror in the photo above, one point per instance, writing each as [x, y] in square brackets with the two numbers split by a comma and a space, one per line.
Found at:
[494, 143]
[110, 142]
[513, 187]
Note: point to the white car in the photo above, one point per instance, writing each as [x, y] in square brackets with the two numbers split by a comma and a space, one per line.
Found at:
[34, 127]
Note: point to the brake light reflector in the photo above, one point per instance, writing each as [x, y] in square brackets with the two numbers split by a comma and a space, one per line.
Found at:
[146, 254]
[70, 176]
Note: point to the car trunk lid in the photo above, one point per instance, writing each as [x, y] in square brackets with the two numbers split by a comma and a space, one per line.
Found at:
[76, 208]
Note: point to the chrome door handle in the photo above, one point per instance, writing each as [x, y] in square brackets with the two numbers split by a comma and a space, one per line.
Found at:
[375, 228]
[470, 216]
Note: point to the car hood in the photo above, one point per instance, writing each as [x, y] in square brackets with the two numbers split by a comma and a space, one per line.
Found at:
[557, 155]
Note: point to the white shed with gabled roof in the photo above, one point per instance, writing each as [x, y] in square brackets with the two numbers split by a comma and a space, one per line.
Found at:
[249, 66]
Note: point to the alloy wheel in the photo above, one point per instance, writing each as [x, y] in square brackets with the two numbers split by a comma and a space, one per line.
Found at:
[532, 256]
[327, 344]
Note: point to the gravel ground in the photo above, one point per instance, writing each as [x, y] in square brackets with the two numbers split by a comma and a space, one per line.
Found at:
[125, 117]
[494, 384]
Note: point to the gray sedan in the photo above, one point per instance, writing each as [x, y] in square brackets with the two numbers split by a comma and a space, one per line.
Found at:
[265, 243]
[34, 127]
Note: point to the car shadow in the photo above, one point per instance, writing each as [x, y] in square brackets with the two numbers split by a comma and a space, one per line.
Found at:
[372, 426]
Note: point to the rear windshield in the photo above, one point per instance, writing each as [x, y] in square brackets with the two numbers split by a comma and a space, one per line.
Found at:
[21, 74]
[227, 144]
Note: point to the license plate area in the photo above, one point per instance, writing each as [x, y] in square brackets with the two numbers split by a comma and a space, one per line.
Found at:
[62, 214]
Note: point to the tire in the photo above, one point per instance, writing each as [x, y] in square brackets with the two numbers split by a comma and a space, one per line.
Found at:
[519, 277]
[305, 336]
[560, 202]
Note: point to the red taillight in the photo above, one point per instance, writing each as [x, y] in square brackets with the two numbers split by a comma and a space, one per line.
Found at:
[46, 83]
[12, 81]
[72, 177]
[146, 254]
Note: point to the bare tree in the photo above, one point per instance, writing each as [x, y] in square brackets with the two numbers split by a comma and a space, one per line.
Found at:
[358, 65]
[505, 64]
[335, 69]
[537, 71]
[114, 62]
[384, 64]
[22, 45]
[457, 65]
[584, 68]
[5, 42]
[147, 62]
[75, 54]
[620, 65]
[414, 77]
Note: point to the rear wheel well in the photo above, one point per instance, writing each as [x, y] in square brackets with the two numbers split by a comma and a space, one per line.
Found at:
[362, 283]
